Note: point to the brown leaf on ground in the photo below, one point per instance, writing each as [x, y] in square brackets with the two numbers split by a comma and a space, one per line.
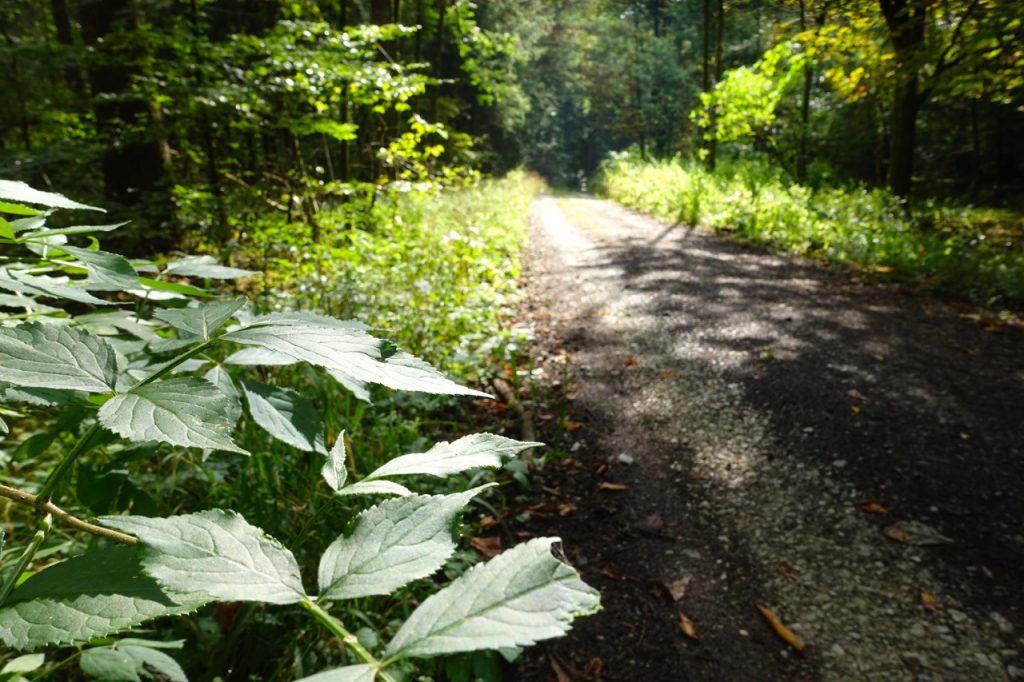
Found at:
[871, 507]
[786, 570]
[669, 373]
[781, 630]
[560, 674]
[677, 588]
[855, 409]
[523, 534]
[630, 361]
[687, 627]
[857, 395]
[698, 476]
[488, 522]
[601, 468]
[566, 508]
[605, 485]
[916, 533]
[929, 601]
[593, 668]
[571, 426]
[488, 547]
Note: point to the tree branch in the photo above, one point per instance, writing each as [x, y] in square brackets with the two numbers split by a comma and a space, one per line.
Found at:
[29, 500]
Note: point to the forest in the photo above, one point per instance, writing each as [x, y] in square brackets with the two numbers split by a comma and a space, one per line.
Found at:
[273, 313]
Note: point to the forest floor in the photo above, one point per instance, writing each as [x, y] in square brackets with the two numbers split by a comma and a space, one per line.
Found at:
[752, 429]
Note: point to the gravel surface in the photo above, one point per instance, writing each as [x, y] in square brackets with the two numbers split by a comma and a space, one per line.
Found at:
[780, 427]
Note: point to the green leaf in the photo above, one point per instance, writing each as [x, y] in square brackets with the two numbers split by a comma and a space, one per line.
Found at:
[94, 595]
[202, 320]
[285, 415]
[469, 452]
[56, 356]
[375, 488]
[17, 209]
[76, 229]
[6, 231]
[219, 377]
[130, 663]
[516, 599]
[215, 552]
[392, 544]
[206, 267]
[187, 411]
[350, 673]
[23, 664]
[345, 351]
[49, 287]
[107, 271]
[333, 470]
[157, 290]
[19, 192]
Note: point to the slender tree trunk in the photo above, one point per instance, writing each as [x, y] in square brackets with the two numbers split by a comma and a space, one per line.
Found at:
[805, 108]
[906, 23]
[62, 24]
[435, 90]
[719, 68]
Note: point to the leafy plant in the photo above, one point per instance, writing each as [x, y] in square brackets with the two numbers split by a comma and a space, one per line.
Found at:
[154, 375]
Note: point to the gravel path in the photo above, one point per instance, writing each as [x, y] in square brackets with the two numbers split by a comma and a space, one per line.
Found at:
[771, 419]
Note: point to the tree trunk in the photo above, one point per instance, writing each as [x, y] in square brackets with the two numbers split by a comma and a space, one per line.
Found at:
[719, 70]
[906, 22]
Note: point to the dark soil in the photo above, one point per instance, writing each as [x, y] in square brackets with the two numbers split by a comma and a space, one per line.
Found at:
[826, 392]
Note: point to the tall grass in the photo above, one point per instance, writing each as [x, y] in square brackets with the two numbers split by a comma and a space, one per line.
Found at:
[969, 252]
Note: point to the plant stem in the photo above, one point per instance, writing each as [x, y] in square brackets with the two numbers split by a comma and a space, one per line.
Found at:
[55, 477]
[26, 558]
[192, 352]
[347, 638]
[50, 508]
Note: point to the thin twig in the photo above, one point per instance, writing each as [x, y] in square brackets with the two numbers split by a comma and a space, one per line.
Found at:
[30, 500]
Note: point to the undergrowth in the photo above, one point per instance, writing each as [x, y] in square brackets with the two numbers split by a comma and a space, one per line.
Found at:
[969, 252]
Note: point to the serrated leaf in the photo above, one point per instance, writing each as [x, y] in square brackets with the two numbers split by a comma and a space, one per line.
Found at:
[109, 322]
[206, 267]
[516, 599]
[333, 470]
[94, 595]
[219, 377]
[157, 290]
[345, 351]
[17, 209]
[6, 231]
[46, 286]
[350, 673]
[56, 356]
[19, 192]
[41, 397]
[285, 415]
[215, 552]
[392, 544]
[129, 663]
[76, 229]
[202, 320]
[256, 356]
[187, 411]
[375, 488]
[469, 452]
[107, 271]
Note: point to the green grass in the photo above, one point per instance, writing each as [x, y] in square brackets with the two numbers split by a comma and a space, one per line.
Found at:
[974, 253]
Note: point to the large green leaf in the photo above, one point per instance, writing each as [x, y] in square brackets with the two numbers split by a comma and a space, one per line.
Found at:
[392, 544]
[186, 411]
[444, 459]
[202, 320]
[130, 663]
[345, 352]
[350, 673]
[206, 267]
[285, 415]
[47, 232]
[94, 595]
[516, 599]
[107, 271]
[375, 488]
[56, 356]
[215, 552]
[19, 192]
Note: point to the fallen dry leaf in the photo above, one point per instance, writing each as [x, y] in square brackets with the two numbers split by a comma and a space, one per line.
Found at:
[601, 468]
[916, 533]
[488, 547]
[669, 373]
[570, 425]
[855, 409]
[630, 361]
[523, 534]
[605, 485]
[593, 668]
[857, 395]
[781, 630]
[488, 522]
[883, 269]
[677, 588]
[786, 570]
[871, 507]
[698, 476]
[566, 508]
[558, 670]
[687, 627]
[929, 601]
